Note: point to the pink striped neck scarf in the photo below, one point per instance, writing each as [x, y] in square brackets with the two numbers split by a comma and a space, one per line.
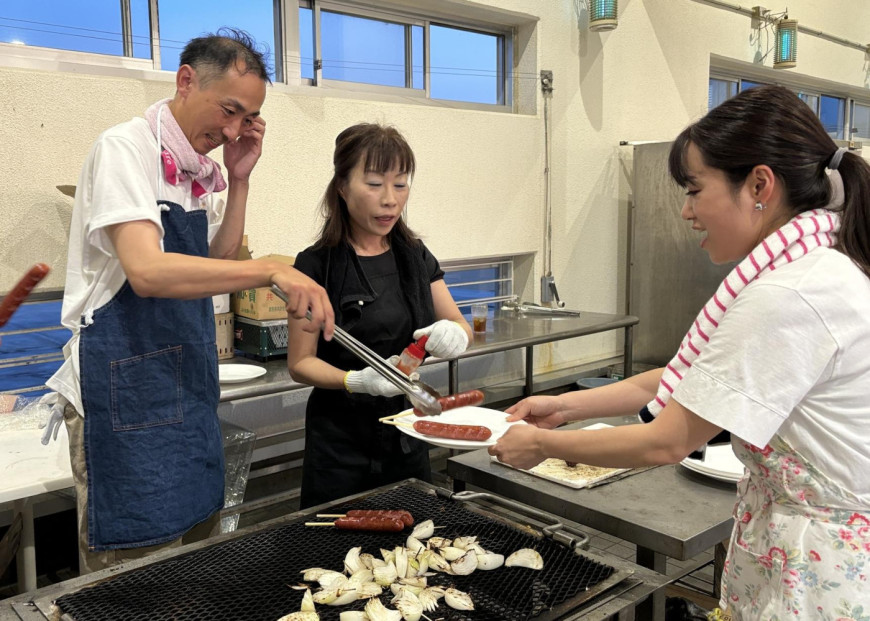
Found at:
[180, 160]
[800, 236]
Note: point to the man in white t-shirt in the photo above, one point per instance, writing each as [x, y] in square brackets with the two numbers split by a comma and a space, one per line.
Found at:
[150, 243]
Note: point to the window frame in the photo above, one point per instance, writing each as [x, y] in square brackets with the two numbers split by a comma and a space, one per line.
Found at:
[853, 131]
[506, 37]
[514, 29]
[506, 278]
[729, 69]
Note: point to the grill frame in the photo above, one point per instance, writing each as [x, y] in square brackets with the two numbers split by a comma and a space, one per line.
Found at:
[566, 609]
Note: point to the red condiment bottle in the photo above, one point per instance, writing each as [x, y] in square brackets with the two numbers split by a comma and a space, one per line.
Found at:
[412, 356]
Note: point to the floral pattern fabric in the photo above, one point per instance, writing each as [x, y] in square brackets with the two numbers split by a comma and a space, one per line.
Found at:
[801, 544]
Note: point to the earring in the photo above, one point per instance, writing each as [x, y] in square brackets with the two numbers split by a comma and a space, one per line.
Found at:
[759, 206]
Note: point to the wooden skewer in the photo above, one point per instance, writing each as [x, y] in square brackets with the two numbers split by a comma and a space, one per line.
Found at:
[397, 424]
[331, 515]
[399, 415]
[320, 523]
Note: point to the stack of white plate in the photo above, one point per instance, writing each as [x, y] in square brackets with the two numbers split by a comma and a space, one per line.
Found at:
[719, 463]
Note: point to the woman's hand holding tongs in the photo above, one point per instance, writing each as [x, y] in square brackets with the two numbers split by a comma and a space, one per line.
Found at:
[370, 382]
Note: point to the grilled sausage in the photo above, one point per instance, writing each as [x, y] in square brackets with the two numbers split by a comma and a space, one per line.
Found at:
[475, 433]
[469, 397]
[405, 516]
[379, 523]
[21, 290]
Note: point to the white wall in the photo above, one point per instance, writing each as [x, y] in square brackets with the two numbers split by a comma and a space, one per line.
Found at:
[480, 184]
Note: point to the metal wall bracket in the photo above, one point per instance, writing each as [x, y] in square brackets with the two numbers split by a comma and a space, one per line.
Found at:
[546, 81]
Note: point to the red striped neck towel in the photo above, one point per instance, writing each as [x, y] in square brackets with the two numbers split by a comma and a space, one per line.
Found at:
[180, 161]
[800, 236]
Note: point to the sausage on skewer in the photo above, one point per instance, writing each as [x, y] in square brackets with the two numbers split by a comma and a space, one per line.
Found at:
[382, 524]
[475, 433]
[405, 516]
[450, 402]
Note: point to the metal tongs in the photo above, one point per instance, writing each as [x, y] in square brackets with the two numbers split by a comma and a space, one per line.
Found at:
[421, 395]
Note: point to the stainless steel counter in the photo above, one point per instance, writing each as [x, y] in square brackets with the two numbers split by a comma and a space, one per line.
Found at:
[504, 332]
[276, 379]
[507, 330]
[666, 511]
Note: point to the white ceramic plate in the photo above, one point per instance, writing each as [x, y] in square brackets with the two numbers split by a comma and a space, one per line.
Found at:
[719, 463]
[468, 415]
[235, 373]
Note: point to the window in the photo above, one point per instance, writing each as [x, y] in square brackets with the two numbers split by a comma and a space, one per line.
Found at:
[811, 100]
[426, 50]
[479, 280]
[745, 84]
[860, 121]
[466, 65]
[832, 112]
[179, 22]
[371, 51]
[719, 91]
[831, 109]
[97, 26]
[368, 46]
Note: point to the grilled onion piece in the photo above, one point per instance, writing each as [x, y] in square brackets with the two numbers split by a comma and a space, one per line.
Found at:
[526, 557]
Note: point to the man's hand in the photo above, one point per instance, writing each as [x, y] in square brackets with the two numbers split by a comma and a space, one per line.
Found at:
[241, 155]
[303, 296]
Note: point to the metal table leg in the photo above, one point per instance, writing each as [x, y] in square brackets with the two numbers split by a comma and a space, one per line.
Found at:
[530, 371]
[26, 560]
[628, 352]
[652, 608]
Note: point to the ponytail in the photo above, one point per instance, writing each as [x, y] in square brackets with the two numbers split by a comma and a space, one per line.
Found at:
[853, 239]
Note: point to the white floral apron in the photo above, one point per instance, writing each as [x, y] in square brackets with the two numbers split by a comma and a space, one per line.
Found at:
[801, 545]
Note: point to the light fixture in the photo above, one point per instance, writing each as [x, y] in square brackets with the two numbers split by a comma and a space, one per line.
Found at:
[602, 15]
[785, 54]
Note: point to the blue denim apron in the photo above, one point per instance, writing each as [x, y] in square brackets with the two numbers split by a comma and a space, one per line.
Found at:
[149, 381]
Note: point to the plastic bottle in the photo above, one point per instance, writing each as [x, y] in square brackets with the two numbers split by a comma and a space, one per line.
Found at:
[412, 356]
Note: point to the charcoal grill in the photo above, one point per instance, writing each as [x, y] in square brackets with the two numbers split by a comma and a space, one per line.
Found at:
[248, 576]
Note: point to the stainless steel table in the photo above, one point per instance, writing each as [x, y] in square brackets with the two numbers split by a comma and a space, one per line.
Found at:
[507, 330]
[666, 511]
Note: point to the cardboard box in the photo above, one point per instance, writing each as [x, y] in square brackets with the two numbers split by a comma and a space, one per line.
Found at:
[261, 303]
[224, 335]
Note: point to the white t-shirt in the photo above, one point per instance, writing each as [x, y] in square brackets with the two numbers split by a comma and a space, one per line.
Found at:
[118, 183]
[792, 357]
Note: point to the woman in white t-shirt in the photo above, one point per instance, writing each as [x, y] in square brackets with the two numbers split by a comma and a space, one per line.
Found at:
[778, 357]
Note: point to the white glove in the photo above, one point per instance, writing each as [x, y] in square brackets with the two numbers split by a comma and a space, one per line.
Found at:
[55, 418]
[370, 382]
[446, 338]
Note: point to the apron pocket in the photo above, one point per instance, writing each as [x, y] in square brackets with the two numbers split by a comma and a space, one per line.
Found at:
[146, 390]
[754, 582]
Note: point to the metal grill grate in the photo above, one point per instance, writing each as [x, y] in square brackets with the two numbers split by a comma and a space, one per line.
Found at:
[247, 578]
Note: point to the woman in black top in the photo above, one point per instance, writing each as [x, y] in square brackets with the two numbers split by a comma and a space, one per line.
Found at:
[386, 289]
